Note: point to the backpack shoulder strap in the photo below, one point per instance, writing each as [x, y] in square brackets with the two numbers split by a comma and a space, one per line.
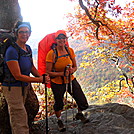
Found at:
[27, 54]
[54, 48]
[29, 51]
[15, 46]
[67, 49]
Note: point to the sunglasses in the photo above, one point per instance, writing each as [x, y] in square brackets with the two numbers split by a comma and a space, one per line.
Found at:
[24, 32]
[61, 38]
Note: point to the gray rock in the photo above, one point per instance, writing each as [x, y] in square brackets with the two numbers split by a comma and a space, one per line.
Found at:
[111, 118]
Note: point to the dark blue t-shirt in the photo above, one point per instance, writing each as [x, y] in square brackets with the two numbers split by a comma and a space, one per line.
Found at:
[25, 63]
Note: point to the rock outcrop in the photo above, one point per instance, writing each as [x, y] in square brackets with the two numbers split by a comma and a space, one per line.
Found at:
[111, 118]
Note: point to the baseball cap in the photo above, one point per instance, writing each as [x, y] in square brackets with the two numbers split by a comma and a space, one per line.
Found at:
[60, 34]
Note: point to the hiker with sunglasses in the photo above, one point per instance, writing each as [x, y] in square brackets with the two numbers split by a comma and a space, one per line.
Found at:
[18, 66]
[58, 75]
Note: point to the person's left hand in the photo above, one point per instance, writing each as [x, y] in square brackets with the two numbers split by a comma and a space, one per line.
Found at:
[71, 70]
[47, 78]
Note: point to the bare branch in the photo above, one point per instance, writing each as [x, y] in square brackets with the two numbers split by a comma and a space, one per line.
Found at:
[96, 8]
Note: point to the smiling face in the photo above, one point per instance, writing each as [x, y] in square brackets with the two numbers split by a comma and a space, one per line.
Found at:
[61, 40]
[23, 34]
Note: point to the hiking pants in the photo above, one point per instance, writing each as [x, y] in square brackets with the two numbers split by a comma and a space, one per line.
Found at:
[16, 109]
[78, 95]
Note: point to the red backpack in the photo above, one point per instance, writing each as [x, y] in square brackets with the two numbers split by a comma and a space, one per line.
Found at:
[44, 47]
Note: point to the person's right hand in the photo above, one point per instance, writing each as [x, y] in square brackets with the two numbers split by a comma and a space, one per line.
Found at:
[40, 79]
[47, 78]
[67, 72]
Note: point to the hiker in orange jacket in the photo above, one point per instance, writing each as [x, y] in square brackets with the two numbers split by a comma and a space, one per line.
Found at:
[59, 74]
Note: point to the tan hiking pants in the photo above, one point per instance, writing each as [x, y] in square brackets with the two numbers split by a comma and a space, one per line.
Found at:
[17, 111]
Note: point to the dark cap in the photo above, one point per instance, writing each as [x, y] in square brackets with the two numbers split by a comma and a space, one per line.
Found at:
[60, 34]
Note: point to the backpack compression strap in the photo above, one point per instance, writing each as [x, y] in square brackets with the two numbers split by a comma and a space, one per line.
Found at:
[63, 55]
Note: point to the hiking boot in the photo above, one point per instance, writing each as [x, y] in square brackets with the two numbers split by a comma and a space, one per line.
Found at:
[61, 126]
[80, 116]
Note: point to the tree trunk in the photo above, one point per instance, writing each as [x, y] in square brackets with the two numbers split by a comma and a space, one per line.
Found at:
[9, 13]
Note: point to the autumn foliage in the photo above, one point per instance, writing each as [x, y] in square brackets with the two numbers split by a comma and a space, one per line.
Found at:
[97, 21]
[108, 30]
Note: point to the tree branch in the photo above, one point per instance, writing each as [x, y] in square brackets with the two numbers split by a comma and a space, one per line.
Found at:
[96, 22]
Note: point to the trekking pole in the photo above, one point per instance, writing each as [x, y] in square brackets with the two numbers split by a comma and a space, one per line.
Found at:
[71, 89]
[47, 128]
[67, 67]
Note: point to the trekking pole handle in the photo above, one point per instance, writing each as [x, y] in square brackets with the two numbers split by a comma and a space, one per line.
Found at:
[66, 68]
[44, 79]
